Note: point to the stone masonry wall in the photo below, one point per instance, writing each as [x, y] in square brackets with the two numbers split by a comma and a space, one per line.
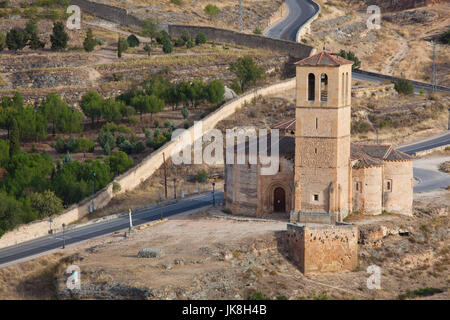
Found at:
[136, 175]
[400, 198]
[323, 248]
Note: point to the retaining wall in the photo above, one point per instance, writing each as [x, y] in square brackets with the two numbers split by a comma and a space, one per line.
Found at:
[136, 175]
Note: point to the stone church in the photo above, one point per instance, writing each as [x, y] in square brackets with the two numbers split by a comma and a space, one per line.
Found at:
[322, 176]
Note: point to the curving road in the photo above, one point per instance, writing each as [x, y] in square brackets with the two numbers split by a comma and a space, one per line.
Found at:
[42, 245]
[300, 11]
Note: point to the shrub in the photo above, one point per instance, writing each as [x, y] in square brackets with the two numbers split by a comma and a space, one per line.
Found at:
[404, 86]
[257, 31]
[16, 39]
[46, 204]
[106, 141]
[179, 42]
[116, 187]
[133, 41]
[445, 37]
[200, 38]
[186, 124]
[189, 44]
[258, 296]
[185, 113]
[211, 10]
[122, 46]
[89, 42]
[177, 2]
[202, 176]
[156, 123]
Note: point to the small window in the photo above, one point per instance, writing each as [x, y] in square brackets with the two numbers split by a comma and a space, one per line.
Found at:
[315, 150]
[316, 197]
[311, 87]
[358, 187]
[389, 185]
[317, 123]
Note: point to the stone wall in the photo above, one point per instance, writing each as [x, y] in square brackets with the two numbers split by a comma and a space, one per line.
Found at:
[297, 50]
[367, 199]
[136, 175]
[323, 248]
[376, 92]
[107, 12]
[400, 198]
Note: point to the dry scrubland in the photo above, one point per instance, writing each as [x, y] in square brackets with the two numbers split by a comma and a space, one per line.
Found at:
[400, 118]
[256, 13]
[212, 255]
[397, 48]
[38, 73]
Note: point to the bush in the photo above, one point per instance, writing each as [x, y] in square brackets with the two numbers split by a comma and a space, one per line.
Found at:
[189, 44]
[16, 39]
[200, 38]
[89, 42]
[177, 2]
[211, 10]
[257, 31]
[179, 42]
[106, 141]
[445, 37]
[46, 204]
[59, 38]
[186, 124]
[116, 187]
[185, 113]
[202, 176]
[122, 46]
[133, 41]
[404, 86]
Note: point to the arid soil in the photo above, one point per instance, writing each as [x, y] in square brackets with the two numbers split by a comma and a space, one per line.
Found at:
[256, 13]
[399, 47]
[213, 255]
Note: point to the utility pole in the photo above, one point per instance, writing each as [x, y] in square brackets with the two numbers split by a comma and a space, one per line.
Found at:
[240, 16]
[165, 175]
[434, 78]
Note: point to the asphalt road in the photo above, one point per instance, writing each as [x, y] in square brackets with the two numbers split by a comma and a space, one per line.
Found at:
[44, 244]
[299, 13]
[434, 142]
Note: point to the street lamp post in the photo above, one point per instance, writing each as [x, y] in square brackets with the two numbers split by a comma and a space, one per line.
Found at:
[64, 239]
[51, 221]
[214, 194]
[160, 200]
[93, 192]
[175, 188]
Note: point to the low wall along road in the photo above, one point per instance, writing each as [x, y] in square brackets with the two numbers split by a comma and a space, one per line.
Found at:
[136, 175]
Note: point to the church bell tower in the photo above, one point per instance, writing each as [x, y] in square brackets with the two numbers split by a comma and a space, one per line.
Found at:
[322, 135]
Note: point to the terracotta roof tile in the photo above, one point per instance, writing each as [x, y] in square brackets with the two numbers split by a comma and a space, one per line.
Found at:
[324, 58]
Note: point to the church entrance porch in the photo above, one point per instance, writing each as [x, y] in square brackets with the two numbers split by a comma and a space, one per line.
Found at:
[279, 200]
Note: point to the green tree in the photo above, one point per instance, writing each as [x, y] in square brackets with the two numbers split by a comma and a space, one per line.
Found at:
[445, 37]
[46, 203]
[215, 91]
[4, 152]
[12, 213]
[89, 42]
[106, 141]
[14, 144]
[111, 110]
[122, 46]
[150, 28]
[184, 113]
[16, 39]
[147, 104]
[32, 35]
[167, 46]
[147, 48]
[2, 41]
[246, 71]
[119, 162]
[58, 113]
[352, 57]
[91, 104]
[133, 41]
[59, 37]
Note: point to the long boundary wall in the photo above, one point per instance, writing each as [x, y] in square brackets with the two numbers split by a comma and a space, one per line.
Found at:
[136, 175]
[121, 16]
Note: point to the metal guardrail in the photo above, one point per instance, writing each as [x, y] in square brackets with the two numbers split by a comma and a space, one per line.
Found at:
[392, 78]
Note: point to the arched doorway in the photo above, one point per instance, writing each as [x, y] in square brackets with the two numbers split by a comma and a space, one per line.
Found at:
[279, 200]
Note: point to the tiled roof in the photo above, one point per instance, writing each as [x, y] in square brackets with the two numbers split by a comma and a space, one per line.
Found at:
[324, 58]
[285, 125]
[286, 146]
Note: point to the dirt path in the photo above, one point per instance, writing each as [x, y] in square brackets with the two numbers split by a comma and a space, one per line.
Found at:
[394, 61]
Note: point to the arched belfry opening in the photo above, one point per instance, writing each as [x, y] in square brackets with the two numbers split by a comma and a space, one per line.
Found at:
[311, 87]
[279, 200]
[323, 87]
